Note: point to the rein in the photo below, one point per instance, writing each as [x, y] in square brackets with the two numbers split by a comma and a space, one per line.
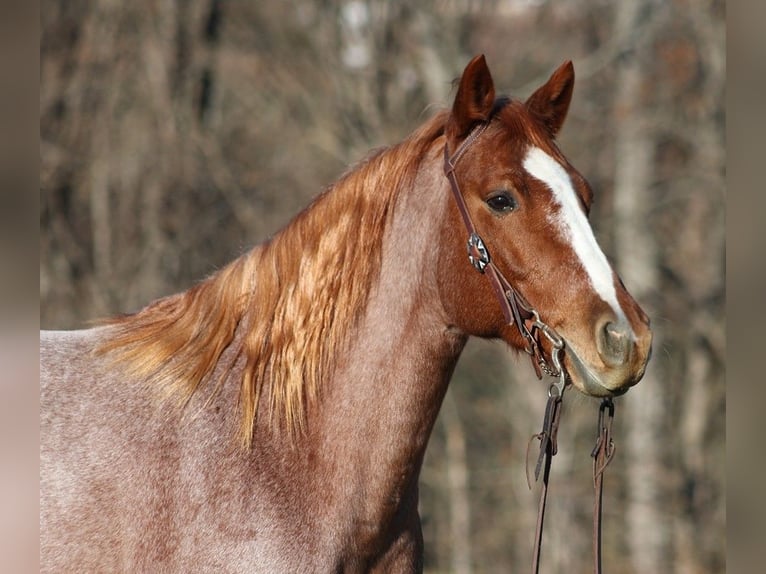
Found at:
[527, 320]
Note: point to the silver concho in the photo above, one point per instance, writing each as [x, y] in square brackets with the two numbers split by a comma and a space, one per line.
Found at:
[477, 252]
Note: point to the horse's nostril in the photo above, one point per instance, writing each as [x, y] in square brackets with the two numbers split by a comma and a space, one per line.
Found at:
[612, 331]
[614, 344]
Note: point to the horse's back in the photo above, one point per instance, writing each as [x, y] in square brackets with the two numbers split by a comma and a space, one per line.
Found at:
[125, 485]
[108, 463]
[79, 454]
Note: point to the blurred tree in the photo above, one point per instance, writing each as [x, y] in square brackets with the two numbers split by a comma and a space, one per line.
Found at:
[648, 532]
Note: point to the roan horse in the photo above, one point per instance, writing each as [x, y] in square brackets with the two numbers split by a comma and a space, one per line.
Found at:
[274, 417]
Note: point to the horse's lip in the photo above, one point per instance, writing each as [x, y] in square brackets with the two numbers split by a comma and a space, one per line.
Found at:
[589, 383]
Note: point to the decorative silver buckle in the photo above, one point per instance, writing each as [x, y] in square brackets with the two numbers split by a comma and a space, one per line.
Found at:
[477, 252]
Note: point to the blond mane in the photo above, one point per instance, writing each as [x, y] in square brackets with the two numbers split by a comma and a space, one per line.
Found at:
[297, 297]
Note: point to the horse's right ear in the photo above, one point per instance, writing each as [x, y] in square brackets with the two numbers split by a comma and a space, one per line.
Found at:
[474, 100]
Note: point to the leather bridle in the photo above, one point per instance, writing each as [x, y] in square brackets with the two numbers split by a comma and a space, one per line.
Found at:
[515, 307]
[519, 312]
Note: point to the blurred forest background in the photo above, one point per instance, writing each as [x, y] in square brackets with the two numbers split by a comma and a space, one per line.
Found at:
[176, 134]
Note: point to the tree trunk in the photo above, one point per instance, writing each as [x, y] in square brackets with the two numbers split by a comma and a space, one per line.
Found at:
[647, 536]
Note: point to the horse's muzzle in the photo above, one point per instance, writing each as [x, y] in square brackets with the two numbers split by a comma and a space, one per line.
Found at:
[623, 355]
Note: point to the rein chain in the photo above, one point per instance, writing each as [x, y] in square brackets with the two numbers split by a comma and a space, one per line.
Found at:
[527, 320]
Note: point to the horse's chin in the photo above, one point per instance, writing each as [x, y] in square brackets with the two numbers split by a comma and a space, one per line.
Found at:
[585, 380]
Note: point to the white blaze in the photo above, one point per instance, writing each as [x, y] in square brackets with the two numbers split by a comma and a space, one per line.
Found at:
[573, 225]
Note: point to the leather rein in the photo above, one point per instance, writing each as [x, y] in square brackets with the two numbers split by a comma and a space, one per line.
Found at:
[519, 312]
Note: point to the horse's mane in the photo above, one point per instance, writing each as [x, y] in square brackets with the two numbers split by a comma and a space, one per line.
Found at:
[287, 306]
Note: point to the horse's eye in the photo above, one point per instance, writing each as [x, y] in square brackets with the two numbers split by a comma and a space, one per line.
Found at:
[501, 202]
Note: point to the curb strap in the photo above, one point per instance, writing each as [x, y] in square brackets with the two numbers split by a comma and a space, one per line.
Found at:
[602, 455]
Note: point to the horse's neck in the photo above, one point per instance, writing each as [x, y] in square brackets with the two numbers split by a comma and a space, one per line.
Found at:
[387, 392]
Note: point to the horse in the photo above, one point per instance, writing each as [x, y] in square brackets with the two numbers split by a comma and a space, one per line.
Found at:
[274, 416]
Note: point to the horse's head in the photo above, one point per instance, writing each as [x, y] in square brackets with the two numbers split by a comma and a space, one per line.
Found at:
[530, 206]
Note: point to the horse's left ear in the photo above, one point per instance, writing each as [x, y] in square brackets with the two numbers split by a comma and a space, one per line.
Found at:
[550, 102]
[474, 100]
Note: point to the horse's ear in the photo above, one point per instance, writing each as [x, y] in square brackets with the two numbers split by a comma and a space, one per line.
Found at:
[474, 100]
[550, 102]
